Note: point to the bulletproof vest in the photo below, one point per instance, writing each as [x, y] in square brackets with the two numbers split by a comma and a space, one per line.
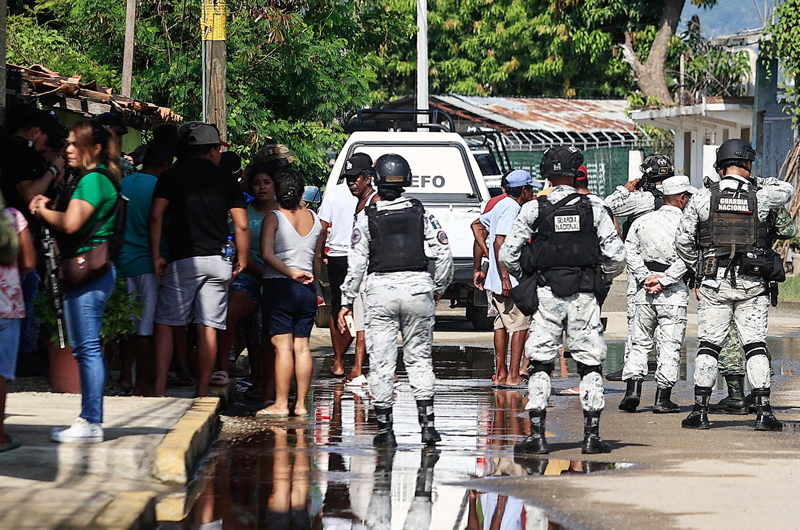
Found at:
[733, 220]
[567, 237]
[658, 198]
[397, 239]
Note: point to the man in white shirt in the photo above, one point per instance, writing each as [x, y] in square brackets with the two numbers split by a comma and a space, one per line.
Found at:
[490, 232]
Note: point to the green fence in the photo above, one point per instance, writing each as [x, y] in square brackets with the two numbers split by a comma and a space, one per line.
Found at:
[607, 168]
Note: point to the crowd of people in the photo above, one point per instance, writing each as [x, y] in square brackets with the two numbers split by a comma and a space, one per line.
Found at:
[190, 231]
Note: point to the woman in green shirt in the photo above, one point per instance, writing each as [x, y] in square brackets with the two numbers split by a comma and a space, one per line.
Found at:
[90, 147]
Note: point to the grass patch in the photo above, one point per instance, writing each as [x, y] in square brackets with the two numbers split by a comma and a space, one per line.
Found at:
[789, 291]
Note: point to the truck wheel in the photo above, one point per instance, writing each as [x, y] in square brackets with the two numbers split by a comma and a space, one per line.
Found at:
[477, 315]
[323, 317]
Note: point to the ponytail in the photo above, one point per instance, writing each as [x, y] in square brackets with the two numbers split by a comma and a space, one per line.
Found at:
[90, 133]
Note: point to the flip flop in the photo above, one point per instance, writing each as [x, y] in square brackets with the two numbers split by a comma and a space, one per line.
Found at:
[568, 392]
[14, 444]
[337, 376]
[219, 378]
[264, 414]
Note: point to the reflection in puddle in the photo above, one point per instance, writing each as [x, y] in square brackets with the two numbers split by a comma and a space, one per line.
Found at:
[324, 473]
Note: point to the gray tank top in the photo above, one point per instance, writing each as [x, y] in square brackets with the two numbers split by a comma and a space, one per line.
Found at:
[294, 250]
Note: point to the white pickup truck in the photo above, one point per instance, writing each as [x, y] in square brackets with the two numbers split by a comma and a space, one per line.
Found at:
[448, 182]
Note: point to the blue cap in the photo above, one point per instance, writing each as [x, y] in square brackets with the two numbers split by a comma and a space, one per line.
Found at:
[519, 178]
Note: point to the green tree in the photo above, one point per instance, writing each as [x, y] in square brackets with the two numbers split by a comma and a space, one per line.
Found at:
[784, 44]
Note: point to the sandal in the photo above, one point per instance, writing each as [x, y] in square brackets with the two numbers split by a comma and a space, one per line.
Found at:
[337, 376]
[13, 444]
[220, 378]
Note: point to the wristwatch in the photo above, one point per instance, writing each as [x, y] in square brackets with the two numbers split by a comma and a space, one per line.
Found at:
[54, 170]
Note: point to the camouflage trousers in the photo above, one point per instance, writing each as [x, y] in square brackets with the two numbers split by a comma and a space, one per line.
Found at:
[731, 358]
[667, 325]
[579, 316]
[722, 305]
[408, 308]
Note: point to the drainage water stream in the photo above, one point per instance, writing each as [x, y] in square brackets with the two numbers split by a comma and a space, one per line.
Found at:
[324, 473]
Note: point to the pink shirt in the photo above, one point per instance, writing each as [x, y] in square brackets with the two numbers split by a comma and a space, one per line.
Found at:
[12, 305]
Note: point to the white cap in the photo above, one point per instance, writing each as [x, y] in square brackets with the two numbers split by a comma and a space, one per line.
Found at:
[676, 185]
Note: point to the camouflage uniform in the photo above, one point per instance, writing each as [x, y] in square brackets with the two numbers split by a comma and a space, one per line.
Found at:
[398, 301]
[578, 315]
[721, 301]
[663, 315]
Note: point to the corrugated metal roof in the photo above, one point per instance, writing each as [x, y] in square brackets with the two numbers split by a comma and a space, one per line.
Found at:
[548, 114]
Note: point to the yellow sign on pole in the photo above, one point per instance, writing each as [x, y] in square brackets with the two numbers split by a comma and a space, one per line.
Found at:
[213, 21]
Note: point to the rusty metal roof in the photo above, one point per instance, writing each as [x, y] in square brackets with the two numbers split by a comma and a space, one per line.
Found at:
[548, 114]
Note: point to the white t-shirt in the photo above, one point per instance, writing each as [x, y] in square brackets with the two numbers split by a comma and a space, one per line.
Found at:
[498, 221]
[338, 210]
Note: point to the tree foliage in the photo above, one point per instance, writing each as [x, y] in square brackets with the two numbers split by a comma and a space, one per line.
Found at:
[784, 44]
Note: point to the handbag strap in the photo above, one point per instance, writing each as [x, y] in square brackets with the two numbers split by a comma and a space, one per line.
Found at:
[110, 213]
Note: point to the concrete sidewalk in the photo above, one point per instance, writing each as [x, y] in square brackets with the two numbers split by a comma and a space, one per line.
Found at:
[112, 484]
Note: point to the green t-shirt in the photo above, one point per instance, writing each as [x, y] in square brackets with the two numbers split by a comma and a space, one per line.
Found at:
[98, 190]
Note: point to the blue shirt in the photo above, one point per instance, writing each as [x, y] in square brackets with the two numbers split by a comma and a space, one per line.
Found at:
[134, 256]
[498, 221]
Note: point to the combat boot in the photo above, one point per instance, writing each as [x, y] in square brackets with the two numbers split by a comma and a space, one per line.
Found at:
[535, 443]
[385, 436]
[532, 466]
[633, 395]
[424, 484]
[592, 443]
[734, 402]
[425, 415]
[664, 404]
[765, 420]
[698, 418]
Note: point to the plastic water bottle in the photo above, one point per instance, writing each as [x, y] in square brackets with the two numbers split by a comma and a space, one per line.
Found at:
[228, 250]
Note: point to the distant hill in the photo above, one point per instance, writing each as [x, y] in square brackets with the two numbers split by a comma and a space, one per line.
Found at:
[727, 17]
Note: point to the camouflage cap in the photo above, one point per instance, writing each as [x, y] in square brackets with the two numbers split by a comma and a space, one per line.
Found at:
[273, 156]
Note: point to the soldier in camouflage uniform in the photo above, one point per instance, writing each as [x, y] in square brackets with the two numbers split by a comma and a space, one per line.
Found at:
[576, 248]
[729, 224]
[661, 298]
[389, 244]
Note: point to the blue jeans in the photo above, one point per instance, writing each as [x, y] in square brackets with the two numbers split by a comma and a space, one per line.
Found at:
[83, 307]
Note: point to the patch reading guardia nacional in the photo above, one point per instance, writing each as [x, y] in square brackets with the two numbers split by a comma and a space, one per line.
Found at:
[567, 223]
[732, 204]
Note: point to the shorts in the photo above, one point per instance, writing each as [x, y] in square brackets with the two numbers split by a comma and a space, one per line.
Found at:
[248, 285]
[289, 307]
[358, 313]
[337, 272]
[10, 329]
[509, 317]
[145, 290]
[199, 283]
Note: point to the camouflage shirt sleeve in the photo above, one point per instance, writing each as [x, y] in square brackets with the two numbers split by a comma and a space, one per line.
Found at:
[612, 249]
[439, 250]
[357, 261]
[624, 203]
[784, 225]
[520, 233]
[773, 194]
[685, 244]
[636, 267]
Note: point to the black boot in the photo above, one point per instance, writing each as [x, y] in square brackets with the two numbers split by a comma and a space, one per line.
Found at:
[734, 403]
[698, 418]
[532, 466]
[765, 420]
[633, 395]
[424, 485]
[425, 414]
[592, 443]
[535, 443]
[664, 404]
[385, 436]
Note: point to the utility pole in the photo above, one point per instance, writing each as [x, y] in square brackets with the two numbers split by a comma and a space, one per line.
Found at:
[3, 26]
[213, 26]
[422, 60]
[127, 53]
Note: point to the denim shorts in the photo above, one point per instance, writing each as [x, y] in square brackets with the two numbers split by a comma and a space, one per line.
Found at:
[249, 285]
[9, 345]
[289, 307]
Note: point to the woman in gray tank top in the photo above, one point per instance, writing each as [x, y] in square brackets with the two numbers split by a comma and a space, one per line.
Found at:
[289, 237]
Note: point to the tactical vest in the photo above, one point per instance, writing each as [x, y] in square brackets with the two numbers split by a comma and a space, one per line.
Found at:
[397, 239]
[733, 220]
[658, 202]
[567, 238]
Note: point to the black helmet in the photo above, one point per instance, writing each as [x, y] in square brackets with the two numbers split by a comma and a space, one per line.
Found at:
[656, 168]
[733, 151]
[392, 170]
[561, 161]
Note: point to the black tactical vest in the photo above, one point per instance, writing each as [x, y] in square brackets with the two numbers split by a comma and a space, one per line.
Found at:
[567, 238]
[733, 220]
[398, 239]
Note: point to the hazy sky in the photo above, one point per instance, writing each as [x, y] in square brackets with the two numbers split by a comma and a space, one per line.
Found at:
[727, 17]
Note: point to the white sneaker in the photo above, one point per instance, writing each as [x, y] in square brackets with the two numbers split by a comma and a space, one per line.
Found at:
[361, 380]
[80, 431]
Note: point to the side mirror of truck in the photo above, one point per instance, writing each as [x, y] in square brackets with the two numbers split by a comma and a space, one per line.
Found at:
[312, 195]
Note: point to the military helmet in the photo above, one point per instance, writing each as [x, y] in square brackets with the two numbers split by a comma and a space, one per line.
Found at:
[392, 170]
[274, 156]
[561, 161]
[732, 151]
[656, 167]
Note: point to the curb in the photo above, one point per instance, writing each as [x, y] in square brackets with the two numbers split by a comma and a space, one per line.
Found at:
[130, 510]
[186, 442]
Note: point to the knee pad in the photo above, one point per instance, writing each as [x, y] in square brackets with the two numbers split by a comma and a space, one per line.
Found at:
[537, 366]
[755, 348]
[706, 348]
[585, 369]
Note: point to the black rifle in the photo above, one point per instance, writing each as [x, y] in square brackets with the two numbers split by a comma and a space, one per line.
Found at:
[53, 285]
